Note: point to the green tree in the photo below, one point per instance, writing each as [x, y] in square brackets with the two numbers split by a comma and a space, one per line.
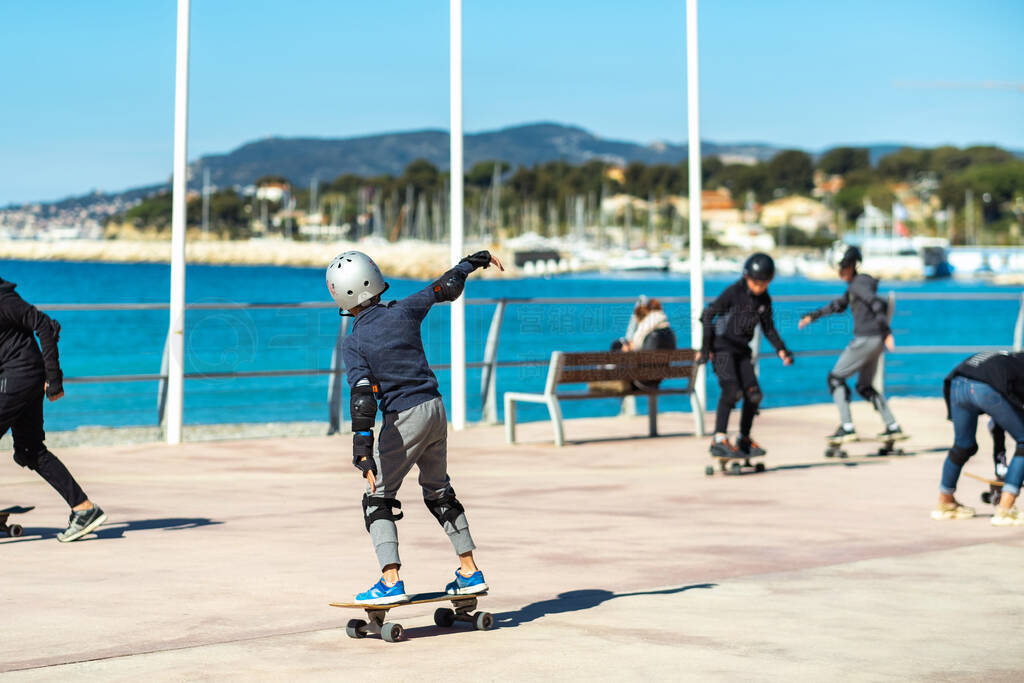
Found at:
[483, 172]
[422, 175]
[842, 160]
[791, 171]
[904, 163]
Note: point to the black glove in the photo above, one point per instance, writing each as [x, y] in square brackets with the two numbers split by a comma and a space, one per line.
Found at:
[480, 259]
[55, 386]
[362, 453]
[788, 355]
[705, 356]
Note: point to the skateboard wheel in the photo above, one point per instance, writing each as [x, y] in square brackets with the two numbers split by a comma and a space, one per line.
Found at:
[734, 468]
[830, 453]
[759, 467]
[986, 497]
[709, 471]
[391, 632]
[356, 628]
[444, 617]
[483, 621]
[15, 530]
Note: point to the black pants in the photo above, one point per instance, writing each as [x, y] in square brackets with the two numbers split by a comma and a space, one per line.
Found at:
[22, 413]
[737, 380]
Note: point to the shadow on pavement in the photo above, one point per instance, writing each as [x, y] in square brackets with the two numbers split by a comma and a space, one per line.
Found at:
[575, 601]
[115, 529]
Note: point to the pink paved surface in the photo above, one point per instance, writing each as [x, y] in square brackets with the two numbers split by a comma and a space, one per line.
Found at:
[614, 557]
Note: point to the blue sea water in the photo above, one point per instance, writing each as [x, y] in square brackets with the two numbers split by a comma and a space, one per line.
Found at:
[95, 343]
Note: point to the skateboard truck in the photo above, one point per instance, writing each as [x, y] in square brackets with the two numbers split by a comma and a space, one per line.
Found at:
[462, 610]
[13, 529]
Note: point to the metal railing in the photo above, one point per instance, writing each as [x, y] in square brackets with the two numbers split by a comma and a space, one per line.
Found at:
[490, 364]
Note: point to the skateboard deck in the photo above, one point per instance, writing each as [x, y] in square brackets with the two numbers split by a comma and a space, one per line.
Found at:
[995, 489]
[13, 529]
[462, 610]
[835, 449]
[728, 464]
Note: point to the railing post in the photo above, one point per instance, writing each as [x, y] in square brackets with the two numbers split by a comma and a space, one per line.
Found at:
[755, 351]
[161, 391]
[1018, 329]
[335, 389]
[879, 380]
[489, 376]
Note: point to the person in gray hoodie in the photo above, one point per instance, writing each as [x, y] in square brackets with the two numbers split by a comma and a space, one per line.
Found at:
[871, 336]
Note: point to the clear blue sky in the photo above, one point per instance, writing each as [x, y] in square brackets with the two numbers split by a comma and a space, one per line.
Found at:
[87, 94]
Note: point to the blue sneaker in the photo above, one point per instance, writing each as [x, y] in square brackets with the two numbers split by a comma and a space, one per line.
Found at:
[382, 594]
[466, 585]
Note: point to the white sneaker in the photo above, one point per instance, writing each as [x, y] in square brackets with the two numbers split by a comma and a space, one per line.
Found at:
[1004, 517]
[952, 510]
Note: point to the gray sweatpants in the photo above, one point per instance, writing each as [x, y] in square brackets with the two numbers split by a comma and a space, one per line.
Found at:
[860, 357]
[417, 436]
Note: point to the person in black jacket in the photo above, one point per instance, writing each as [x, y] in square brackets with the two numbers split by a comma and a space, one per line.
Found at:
[990, 383]
[26, 375]
[729, 323]
[871, 335]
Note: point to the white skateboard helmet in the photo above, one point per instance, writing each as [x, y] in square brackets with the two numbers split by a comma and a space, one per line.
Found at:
[353, 279]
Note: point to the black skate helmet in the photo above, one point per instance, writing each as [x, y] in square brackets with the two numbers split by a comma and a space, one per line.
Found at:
[759, 267]
[851, 257]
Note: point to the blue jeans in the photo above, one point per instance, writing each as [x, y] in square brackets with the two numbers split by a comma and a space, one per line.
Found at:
[968, 399]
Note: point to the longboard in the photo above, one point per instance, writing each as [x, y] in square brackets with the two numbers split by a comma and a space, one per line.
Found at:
[835, 449]
[728, 464]
[13, 529]
[995, 489]
[462, 610]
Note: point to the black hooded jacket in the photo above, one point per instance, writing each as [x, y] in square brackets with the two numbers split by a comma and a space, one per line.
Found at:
[730, 320]
[1001, 370]
[22, 365]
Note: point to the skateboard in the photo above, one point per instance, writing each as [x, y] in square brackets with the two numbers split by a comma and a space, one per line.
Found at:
[734, 465]
[995, 489]
[888, 447]
[13, 529]
[462, 609]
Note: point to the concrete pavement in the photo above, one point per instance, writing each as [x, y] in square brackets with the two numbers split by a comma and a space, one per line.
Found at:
[612, 558]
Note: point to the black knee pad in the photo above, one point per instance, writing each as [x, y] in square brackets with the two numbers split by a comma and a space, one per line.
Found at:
[834, 382]
[959, 456]
[1019, 452]
[868, 393]
[385, 509]
[446, 509]
[29, 457]
[754, 395]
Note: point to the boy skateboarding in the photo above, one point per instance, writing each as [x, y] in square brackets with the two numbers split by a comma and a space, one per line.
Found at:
[385, 363]
[990, 383]
[729, 323]
[871, 335]
[26, 376]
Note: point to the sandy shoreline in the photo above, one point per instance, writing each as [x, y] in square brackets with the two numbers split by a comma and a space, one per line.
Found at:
[412, 259]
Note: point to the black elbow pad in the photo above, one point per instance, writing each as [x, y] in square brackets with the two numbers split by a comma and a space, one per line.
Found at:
[363, 406]
[449, 286]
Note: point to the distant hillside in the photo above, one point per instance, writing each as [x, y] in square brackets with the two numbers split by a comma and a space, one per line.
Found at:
[299, 158]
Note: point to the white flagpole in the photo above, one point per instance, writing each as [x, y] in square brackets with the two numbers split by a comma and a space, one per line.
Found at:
[696, 235]
[176, 329]
[458, 307]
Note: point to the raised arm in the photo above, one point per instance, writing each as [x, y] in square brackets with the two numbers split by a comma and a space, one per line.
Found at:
[448, 287]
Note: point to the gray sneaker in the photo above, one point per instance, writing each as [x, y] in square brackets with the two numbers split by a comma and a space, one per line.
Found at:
[82, 522]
